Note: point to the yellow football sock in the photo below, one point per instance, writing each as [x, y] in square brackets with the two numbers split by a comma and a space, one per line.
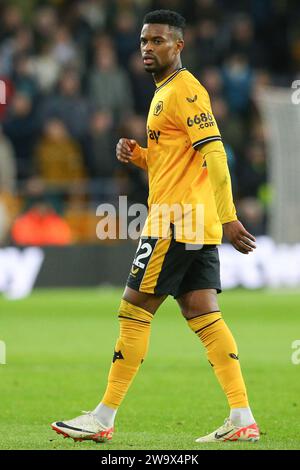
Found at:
[130, 351]
[222, 354]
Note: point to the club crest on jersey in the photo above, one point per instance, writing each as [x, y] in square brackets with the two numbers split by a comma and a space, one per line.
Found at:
[158, 108]
[192, 100]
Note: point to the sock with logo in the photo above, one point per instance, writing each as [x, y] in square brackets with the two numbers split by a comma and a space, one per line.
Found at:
[130, 351]
[222, 354]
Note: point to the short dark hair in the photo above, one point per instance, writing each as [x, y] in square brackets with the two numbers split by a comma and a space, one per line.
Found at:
[169, 17]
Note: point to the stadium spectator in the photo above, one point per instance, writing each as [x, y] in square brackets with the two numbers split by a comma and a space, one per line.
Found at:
[83, 24]
[251, 213]
[238, 80]
[20, 125]
[23, 41]
[252, 171]
[23, 77]
[11, 21]
[68, 105]
[41, 225]
[45, 22]
[19, 44]
[212, 80]
[207, 43]
[94, 12]
[243, 41]
[45, 68]
[122, 7]
[64, 50]
[206, 10]
[109, 85]
[101, 144]
[58, 157]
[126, 38]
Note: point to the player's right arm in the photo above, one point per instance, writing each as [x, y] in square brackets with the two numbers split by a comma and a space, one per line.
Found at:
[128, 150]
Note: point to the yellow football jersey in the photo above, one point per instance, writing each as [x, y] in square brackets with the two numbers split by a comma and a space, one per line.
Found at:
[179, 119]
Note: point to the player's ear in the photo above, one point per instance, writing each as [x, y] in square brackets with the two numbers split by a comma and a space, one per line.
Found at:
[180, 45]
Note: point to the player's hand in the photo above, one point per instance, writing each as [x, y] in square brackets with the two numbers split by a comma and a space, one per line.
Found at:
[124, 149]
[238, 236]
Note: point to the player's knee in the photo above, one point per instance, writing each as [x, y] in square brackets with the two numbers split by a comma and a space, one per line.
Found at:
[148, 302]
[190, 310]
[189, 313]
[198, 302]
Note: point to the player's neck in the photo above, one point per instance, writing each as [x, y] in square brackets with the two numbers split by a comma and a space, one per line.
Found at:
[159, 77]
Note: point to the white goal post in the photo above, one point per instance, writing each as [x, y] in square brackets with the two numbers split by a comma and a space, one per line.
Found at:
[281, 118]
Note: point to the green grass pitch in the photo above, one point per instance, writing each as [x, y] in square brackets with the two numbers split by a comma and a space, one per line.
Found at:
[59, 350]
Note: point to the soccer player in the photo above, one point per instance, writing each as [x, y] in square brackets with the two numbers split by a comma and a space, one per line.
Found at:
[187, 165]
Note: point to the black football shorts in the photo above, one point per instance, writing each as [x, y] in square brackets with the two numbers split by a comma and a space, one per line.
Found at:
[164, 266]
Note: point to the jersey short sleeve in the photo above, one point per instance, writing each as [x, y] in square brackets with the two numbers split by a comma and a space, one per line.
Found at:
[194, 114]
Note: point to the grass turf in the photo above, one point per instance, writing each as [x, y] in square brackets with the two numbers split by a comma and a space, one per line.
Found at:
[59, 350]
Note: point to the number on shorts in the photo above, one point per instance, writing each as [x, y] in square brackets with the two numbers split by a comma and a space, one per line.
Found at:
[148, 250]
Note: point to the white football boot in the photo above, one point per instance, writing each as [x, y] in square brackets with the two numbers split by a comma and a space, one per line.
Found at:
[229, 433]
[83, 427]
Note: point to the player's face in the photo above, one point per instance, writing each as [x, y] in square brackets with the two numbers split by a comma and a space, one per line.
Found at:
[160, 47]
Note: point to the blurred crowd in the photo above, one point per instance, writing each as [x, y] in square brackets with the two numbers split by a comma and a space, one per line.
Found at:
[75, 84]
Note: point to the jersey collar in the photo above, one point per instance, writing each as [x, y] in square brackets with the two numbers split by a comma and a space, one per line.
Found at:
[167, 80]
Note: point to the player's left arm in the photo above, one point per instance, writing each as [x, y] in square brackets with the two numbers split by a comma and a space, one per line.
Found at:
[194, 115]
[219, 175]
